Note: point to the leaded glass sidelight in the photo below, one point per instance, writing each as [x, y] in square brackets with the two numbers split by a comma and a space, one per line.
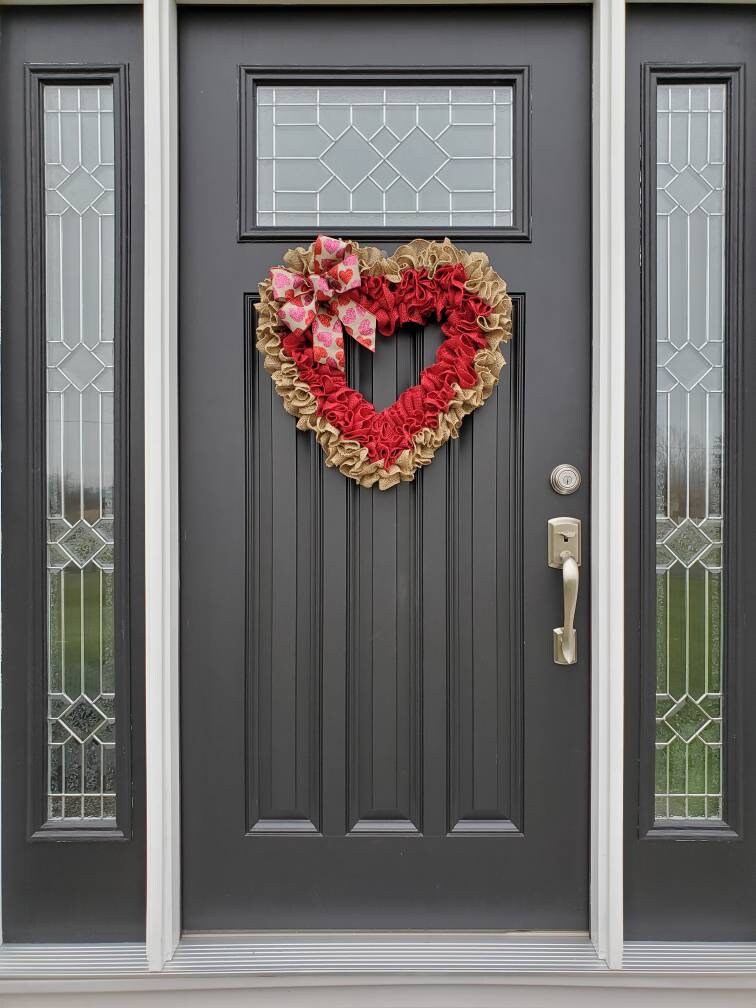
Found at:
[690, 449]
[363, 155]
[79, 217]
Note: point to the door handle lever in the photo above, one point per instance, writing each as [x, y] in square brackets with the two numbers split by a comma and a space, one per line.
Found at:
[564, 553]
[565, 638]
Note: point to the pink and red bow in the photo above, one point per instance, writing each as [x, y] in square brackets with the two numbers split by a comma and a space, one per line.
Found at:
[317, 300]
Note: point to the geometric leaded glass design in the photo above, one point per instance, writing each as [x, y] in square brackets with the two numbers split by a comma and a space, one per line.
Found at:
[690, 332]
[79, 269]
[364, 155]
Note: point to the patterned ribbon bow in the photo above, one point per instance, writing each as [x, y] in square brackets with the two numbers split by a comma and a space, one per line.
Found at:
[317, 300]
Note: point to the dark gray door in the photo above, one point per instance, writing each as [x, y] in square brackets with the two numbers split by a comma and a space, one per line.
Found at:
[374, 731]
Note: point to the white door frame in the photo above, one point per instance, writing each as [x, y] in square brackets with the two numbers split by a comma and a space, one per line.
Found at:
[161, 480]
[608, 482]
[391, 969]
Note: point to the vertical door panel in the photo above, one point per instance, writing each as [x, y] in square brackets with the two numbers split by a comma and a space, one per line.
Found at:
[283, 614]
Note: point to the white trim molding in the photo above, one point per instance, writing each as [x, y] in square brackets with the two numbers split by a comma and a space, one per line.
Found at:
[161, 377]
[608, 480]
[339, 969]
[380, 970]
[397, 953]
[161, 480]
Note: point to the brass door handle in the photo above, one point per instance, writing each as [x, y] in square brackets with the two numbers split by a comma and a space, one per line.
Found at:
[564, 552]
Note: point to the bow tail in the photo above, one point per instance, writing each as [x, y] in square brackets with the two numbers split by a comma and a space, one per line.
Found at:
[359, 323]
[328, 340]
[298, 313]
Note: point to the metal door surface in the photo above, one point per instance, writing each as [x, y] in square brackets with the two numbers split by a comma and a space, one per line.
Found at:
[374, 731]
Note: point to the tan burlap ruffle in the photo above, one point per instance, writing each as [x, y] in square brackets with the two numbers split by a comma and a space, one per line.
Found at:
[349, 456]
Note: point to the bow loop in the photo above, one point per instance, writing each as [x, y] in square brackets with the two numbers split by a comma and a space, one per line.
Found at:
[315, 301]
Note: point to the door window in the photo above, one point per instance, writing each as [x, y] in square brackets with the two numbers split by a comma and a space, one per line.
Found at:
[346, 156]
[79, 211]
[405, 153]
[691, 167]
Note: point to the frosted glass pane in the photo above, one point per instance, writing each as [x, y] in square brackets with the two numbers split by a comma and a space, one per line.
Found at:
[80, 264]
[690, 228]
[372, 156]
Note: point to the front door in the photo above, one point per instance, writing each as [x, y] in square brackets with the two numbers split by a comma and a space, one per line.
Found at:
[375, 732]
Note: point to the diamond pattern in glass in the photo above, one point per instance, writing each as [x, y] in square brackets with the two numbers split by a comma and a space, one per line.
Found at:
[83, 718]
[688, 189]
[82, 543]
[80, 190]
[687, 366]
[351, 158]
[417, 158]
[81, 367]
[686, 542]
[686, 719]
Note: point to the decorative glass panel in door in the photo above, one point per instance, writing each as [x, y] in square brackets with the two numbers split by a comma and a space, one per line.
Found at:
[80, 304]
[691, 171]
[360, 156]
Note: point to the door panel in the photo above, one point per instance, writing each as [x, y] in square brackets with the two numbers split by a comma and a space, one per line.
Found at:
[690, 848]
[374, 731]
[73, 804]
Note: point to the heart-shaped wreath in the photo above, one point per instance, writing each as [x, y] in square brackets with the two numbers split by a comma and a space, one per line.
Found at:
[335, 287]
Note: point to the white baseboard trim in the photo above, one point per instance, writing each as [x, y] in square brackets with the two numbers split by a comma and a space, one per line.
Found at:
[340, 970]
[67, 961]
[383, 953]
[609, 990]
[690, 957]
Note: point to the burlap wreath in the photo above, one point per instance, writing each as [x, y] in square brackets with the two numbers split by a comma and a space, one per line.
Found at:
[360, 457]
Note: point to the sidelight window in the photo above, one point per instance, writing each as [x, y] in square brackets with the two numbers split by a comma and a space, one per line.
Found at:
[79, 330]
[691, 223]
